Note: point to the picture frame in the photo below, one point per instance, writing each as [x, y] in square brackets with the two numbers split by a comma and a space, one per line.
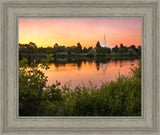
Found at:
[11, 123]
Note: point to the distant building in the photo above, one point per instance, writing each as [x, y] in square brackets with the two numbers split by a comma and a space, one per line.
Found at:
[104, 43]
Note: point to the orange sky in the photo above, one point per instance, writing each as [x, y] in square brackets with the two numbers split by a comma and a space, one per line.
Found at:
[68, 32]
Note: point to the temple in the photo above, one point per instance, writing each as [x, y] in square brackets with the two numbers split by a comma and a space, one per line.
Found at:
[104, 43]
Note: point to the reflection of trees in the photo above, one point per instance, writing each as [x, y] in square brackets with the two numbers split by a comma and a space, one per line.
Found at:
[79, 65]
[104, 64]
[58, 62]
[90, 60]
[116, 62]
[63, 62]
[85, 61]
[101, 60]
[98, 66]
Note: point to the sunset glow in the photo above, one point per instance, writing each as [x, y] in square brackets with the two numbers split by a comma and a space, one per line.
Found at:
[68, 32]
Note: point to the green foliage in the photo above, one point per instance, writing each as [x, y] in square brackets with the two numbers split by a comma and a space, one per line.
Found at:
[23, 63]
[119, 98]
[45, 61]
[92, 53]
[31, 84]
[98, 44]
[136, 71]
[116, 98]
[32, 52]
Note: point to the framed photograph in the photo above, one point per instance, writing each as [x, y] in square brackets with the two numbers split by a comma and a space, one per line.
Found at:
[79, 67]
[91, 78]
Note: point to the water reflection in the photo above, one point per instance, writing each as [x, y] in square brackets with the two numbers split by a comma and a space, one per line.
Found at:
[104, 67]
[98, 66]
[75, 72]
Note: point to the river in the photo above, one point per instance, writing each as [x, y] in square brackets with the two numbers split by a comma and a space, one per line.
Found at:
[87, 73]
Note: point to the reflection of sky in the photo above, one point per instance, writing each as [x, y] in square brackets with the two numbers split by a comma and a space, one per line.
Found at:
[88, 72]
[47, 32]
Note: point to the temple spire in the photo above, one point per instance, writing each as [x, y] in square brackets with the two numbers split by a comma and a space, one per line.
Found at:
[104, 43]
[104, 37]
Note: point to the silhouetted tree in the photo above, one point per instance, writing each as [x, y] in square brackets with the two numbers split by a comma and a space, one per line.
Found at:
[133, 46]
[79, 48]
[98, 44]
[56, 45]
[115, 49]
[85, 50]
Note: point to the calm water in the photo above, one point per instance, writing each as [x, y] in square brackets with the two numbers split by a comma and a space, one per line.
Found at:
[84, 72]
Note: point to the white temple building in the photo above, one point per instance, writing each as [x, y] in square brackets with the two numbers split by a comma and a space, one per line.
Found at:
[104, 43]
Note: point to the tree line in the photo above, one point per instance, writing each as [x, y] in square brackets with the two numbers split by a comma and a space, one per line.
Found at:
[61, 49]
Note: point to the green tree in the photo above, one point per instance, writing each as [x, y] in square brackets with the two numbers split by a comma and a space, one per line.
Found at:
[98, 44]
[85, 50]
[92, 53]
[115, 49]
[79, 48]
[121, 48]
[31, 85]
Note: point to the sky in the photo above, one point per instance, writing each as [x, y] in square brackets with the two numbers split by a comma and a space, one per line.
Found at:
[68, 32]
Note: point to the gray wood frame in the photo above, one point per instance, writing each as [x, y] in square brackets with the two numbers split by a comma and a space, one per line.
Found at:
[147, 10]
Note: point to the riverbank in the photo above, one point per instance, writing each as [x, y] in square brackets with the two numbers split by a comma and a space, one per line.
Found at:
[82, 56]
